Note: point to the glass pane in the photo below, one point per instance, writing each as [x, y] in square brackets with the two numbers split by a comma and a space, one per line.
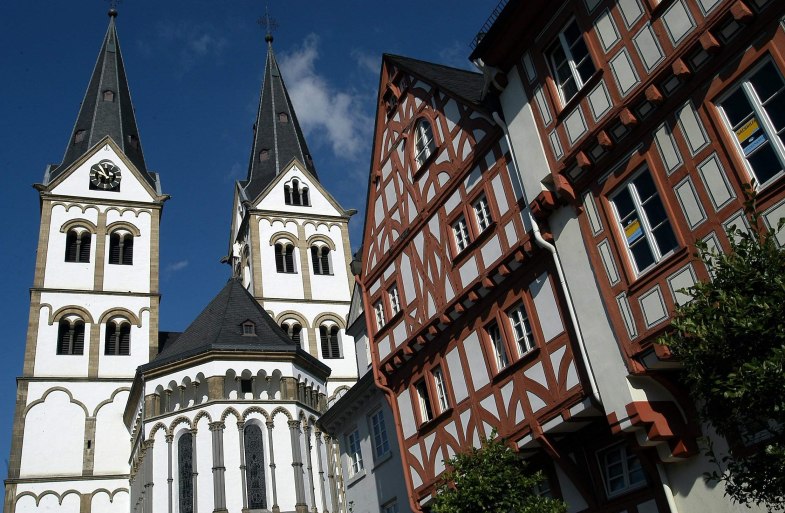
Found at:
[586, 69]
[775, 108]
[623, 203]
[765, 163]
[645, 186]
[579, 50]
[736, 107]
[655, 212]
[571, 33]
[557, 56]
[665, 238]
[766, 81]
[642, 255]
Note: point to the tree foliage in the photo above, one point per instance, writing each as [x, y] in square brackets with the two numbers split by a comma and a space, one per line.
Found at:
[491, 479]
[731, 340]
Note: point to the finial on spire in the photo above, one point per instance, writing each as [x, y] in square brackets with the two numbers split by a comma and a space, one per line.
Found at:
[113, 7]
[269, 24]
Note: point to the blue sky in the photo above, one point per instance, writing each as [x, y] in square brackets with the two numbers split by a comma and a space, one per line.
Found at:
[195, 71]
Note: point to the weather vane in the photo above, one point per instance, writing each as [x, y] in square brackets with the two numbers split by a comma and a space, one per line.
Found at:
[113, 6]
[269, 24]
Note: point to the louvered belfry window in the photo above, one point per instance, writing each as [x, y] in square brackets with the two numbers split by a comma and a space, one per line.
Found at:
[118, 338]
[320, 256]
[185, 473]
[77, 246]
[254, 467]
[331, 346]
[284, 258]
[121, 248]
[70, 337]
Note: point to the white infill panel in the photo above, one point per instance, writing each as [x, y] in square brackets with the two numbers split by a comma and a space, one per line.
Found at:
[599, 100]
[478, 367]
[716, 182]
[575, 124]
[542, 105]
[608, 262]
[692, 128]
[624, 72]
[591, 212]
[648, 47]
[631, 11]
[457, 378]
[605, 28]
[678, 22]
[689, 202]
[681, 279]
[772, 217]
[547, 309]
[653, 307]
[408, 425]
[667, 148]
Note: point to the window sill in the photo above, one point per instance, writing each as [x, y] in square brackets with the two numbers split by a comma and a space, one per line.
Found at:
[381, 460]
[286, 272]
[644, 279]
[426, 163]
[356, 477]
[513, 367]
[384, 329]
[579, 96]
[432, 423]
[469, 249]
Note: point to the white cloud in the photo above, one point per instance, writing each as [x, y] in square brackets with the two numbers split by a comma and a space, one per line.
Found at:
[455, 55]
[196, 41]
[336, 116]
[176, 266]
[367, 62]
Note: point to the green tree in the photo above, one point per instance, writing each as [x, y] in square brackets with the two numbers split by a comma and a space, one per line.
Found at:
[492, 478]
[731, 340]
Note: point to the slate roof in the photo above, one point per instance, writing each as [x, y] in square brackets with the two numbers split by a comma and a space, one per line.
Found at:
[463, 84]
[99, 118]
[283, 141]
[219, 328]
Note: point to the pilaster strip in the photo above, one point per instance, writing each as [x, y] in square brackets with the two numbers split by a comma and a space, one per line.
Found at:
[243, 485]
[256, 254]
[270, 425]
[302, 245]
[320, 468]
[43, 243]
[219, 486]
[297, 465]
[347, 254]
[169, 480]
[94, 350]
[88, 456]
[100, 252]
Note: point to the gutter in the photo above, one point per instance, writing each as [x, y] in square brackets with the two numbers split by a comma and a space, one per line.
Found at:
[541, 242]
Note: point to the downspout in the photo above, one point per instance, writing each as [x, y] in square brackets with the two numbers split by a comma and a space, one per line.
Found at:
[666, 488]
[377, 378]
[541, 242]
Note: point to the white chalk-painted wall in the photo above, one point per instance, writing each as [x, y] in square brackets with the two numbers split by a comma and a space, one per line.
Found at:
[74, 439]
[304, 297]
[264, 407]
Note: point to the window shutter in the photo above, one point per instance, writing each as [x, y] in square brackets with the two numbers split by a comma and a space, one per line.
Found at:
[279, 258]
[125, 339]
[114, 248]
[84, 247]
[78, 342]
[64, 334]
[335, 350]
[110, 343]
[70, 246]
[128, 250]
[296, 329]
[325, 258]
[289, 259]
[287, 195]
[325, 342]
[304, 196]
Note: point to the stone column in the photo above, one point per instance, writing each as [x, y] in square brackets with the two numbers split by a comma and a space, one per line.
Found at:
[194, 470]
[297, 467]
[147, 475]
[320, 467]
[169, 479]
[309, 466]
[219, 470]
[328, 442]
[241, 429]
[270, 425]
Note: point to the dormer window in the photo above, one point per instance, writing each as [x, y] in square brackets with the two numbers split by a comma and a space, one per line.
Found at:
[133, 141]
[283, 117]
[79, 136]
[264, 155]
[249, 329]
[108, 95]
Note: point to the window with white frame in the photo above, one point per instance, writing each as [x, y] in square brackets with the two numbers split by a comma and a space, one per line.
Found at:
[354, 453]
[644, 224]
[621, 470]
[441, 389]
[497, 344]
[395, 300]
[378, 308]
[391, 507]
[424, 145]
[424, 400]
[482, 213]
[461, 232]
[381, 443]
[570, 61]
[754, 112]
[522, 329]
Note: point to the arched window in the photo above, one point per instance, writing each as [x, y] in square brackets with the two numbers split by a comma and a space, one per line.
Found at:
[185, 470]
[108, 95]
[424, 145]
[293, 329]
[254, 467]
[284, 257]
[320, 257]
[118, 337]
[77, 245]
[331, 346]
[296, 193]
[121, 248]
[70, 336]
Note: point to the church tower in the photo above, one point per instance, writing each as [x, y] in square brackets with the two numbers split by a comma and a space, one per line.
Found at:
[93, 308]
[290, 237]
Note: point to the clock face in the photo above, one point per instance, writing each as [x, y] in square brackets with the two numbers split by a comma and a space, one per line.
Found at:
[105, 175]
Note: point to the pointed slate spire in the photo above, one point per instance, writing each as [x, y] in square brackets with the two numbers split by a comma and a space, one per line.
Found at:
[277, 137]
[106, 108]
